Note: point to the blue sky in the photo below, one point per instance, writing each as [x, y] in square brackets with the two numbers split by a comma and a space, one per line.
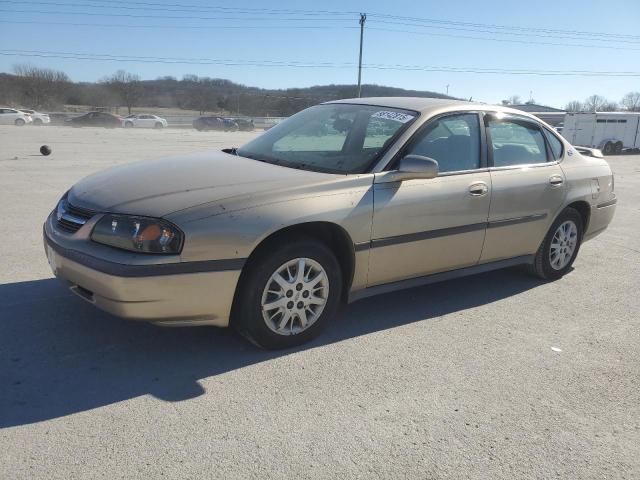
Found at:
[334, 39]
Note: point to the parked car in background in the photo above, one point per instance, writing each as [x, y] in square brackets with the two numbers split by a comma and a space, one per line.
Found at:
[215, 123]
[95, 119]
[144, 120]
[339, 202]
[37, 117]
[11, 116]
[244, 124]
[58, 118]
[610, 132]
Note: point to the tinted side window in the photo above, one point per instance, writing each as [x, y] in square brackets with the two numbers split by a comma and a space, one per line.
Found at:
[454, 141]
[554, 143]
[515, 143]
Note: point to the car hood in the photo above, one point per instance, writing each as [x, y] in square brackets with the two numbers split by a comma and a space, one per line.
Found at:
[158, 188]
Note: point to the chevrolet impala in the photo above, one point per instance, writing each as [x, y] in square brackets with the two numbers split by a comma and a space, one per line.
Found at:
[339, 202]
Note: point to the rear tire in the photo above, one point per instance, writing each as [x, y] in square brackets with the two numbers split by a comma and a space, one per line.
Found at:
[560, 246]
[282, 326]
[618, 148]
[608, 148]
[19, 122]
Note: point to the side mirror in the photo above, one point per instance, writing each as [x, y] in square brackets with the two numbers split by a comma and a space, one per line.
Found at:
[411, 167]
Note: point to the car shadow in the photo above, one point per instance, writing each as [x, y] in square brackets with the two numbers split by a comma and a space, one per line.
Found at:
[61, 356]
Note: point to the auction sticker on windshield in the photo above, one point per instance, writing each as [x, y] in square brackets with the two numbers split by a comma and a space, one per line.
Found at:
[395, 116]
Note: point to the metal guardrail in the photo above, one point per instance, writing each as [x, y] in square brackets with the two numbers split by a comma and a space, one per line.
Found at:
[185, 121]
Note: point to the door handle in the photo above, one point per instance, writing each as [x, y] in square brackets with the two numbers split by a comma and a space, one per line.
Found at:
[478, 189]
[556, 180]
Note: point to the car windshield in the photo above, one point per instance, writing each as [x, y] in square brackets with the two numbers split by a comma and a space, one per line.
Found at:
[333, 138]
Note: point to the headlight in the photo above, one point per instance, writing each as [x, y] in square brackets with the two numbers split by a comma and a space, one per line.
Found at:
[138, 234]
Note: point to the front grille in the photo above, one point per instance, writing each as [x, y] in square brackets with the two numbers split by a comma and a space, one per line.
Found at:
[84, 213]
[71, 218]
[68, 226]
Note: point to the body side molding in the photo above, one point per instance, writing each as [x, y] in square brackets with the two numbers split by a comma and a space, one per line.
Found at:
[438, 277]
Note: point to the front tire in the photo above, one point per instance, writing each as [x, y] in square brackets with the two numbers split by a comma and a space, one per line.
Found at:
[158, 126]
[288, 294]
[38, 122]
[128, 125]
[608, 148]
[560, 247]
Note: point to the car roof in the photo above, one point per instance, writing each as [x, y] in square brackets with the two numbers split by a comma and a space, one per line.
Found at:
[430, 105]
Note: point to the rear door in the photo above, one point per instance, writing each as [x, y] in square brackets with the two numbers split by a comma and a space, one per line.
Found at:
[528, 185]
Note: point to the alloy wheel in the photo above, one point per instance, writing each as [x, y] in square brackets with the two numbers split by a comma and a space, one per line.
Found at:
[563, 245]
[294, 297]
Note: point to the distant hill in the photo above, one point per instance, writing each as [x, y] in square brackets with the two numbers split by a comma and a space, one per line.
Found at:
[202, 94]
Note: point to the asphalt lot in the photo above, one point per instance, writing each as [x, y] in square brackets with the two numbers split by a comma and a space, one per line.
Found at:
[453, 380]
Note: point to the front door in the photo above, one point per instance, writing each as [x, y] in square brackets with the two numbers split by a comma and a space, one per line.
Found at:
[427, 226]
[528, 186]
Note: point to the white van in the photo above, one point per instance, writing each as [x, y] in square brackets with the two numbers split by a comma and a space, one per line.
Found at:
[611, 132]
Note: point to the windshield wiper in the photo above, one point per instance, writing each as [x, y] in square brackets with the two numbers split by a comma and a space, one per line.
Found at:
[263, 159]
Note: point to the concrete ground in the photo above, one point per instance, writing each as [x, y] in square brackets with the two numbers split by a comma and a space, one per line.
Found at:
[493, 376]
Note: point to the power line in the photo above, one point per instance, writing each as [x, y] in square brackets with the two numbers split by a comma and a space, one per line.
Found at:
[212, 7]
[131, 5]
[180, 27]
[478, 28]
[192, 7]
[182, 9]
[504, 27]
[172, 17]
[204, 27]
[504, 40]
[280, 64]
[306, 27]
[520, 34]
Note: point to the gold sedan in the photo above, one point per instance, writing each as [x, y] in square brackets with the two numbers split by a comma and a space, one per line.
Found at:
[341, 201]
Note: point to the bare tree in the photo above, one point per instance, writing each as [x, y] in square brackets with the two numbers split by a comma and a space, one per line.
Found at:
[200, 93]
[127, 86]
[609, 107]
[41, 87]
[631, 101]
[574, 106]
[594, 103]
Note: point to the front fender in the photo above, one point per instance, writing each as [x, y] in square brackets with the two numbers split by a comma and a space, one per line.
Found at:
[236, 233]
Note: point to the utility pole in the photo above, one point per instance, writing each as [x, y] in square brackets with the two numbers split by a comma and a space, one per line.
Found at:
[363, 18]
[447, 89]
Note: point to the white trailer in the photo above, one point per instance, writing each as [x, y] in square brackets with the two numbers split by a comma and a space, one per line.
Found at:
[611, 132]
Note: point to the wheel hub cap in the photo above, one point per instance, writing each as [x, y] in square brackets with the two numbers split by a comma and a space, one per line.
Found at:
[295, 296]
[563, 245]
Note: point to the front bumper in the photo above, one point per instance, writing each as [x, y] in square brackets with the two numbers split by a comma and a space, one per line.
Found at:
[146, 292]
